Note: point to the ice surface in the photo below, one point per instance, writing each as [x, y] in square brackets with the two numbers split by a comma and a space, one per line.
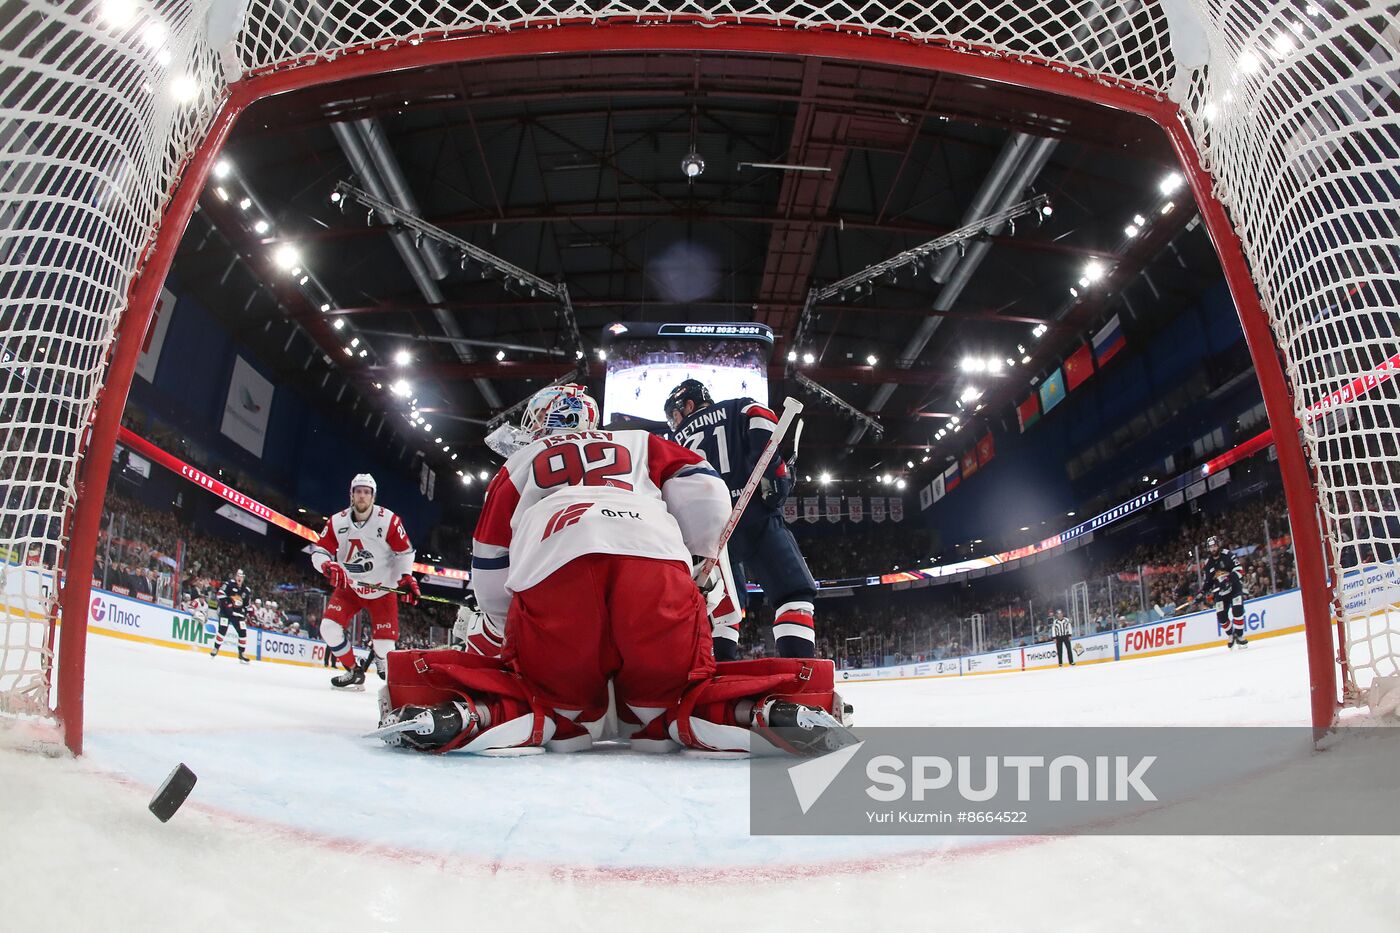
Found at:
[297, 823]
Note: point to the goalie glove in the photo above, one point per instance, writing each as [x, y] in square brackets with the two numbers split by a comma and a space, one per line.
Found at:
[335, 575]
[408, 589]
[475, 632]
[712, 588]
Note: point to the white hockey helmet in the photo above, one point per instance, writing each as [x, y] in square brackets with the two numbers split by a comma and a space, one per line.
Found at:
[238, 573]
[364, 479]
[566, 407]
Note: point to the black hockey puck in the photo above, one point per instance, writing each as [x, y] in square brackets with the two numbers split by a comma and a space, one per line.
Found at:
[172, 793]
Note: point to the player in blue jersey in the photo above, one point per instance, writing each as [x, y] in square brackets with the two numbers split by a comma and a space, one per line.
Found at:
[731, 435]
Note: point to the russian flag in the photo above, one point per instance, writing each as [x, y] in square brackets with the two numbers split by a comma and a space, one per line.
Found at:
[952, 477]
[1108, 341]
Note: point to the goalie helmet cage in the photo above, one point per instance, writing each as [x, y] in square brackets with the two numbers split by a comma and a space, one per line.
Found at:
[1283, 116]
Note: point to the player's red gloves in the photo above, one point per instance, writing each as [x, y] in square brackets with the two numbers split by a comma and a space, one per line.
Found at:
[408, 589]
[335, 575]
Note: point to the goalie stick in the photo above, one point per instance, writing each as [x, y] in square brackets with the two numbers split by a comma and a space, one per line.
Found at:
[791, 409]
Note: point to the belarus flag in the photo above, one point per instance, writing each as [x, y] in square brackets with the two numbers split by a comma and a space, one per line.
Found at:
[1028, 412]
[1108, 341]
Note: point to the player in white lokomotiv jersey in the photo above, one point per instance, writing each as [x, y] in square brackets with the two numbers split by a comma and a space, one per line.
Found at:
[365, 555]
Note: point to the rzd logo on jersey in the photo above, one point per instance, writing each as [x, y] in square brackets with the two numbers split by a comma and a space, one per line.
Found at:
[568, 515]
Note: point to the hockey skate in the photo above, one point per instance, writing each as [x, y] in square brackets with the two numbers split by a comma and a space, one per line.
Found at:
[425, 728]
[350, 680]
[243, 658]
[215, 652]
[801, 730]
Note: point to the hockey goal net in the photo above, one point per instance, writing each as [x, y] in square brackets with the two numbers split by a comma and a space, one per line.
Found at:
[1286, 114]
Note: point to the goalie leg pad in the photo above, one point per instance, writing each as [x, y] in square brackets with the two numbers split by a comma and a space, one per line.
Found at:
[427, 678]
[710, 716]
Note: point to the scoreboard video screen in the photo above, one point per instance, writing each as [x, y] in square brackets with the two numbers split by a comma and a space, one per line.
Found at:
[646, 361]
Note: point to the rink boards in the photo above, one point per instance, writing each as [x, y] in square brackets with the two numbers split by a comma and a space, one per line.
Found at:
[137, 620]
[1278, 614]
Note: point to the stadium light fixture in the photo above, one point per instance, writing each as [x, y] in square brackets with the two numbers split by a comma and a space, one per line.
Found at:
[909, 464]
[401, 388]
[466, 479]
[483, 475]
[1139, 220]
[1131, 230]
[363, 353]
[219, 190]
[1248, 64]
[500, 355]
[244, 204]
[872, 359]
[454, 456]
[403, 357]
[1025, 527]
[900, 485]
[792, 356]
[925, 459]
[1025, 359]
[261, 226]
[325, 306]
[692, 165]
[286, 256]
[1169, 185]
[1168, 208]
[437, 440]
[1047, 210]
[303, 280]
[1074, 292]
[184, 88]
[1094, 270]
[354, 341]
[970, 394]
[222, 168]
[603, 355]
[349, 351]
[578, 354]
[335, 197]
[993, 364]
[953, 420]
[427, 427]
[1070, 513]
[825, 478]
[338, 323]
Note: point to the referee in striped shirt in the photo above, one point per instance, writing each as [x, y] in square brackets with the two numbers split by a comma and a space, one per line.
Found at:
[1061, 627]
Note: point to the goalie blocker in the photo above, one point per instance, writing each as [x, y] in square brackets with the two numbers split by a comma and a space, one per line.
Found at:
[444, 699]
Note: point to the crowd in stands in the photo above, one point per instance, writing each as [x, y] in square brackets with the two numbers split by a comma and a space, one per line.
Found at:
[864, 550]
[137, 552]
[1148, 582]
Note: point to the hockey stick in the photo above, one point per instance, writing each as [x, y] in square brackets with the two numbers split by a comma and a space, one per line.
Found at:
[791, 409]
[421, 596]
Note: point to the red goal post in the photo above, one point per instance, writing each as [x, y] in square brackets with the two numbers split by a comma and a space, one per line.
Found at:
[1284, 117]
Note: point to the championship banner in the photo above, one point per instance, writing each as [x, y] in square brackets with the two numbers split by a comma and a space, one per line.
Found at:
[877, 509]
[811, 509]
[896, 508]
[926, 497]
[247, 408]
[939, 491]
[149, 357]
[833, 508]
[857, 506]
[789, 510]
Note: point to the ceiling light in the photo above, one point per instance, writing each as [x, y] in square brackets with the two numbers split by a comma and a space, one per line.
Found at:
[993, 364]
[335, 197]
[1139, 220]
[349, 352]
[260, 226]
[437, 440]
[578, 354]
[500, 355]
[355, 342]
[223, 195]
[1168, 207]
[1070, 513]
[900, 484]
[1094, 270]
[1131, 230]
[1025, 359]
[825, 478]
[953, 420]
[338, 323]
[466, 479]
[1010, 361]
[364, 353]
[1170, 184]
[403, 357]
[1083, 281]
[1249, 62]
[808, 358]
[692, 165]
[245, 204]
[872, 359]
[925, 459]
[401, 389]
[1047, 210]
[884, 478]
[792, 356]
[1074, 291]
[454, 456]
[484, 475]
[222, 168]
[325, 307]
[286, 256]
[971, 393]
[602, 354]
[447, 450]
[910, 464]
[303, 280]
[1025, 527]
[427, 428]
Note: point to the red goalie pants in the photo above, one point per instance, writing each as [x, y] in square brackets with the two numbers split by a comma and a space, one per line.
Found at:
[637, 621]
[383, 612]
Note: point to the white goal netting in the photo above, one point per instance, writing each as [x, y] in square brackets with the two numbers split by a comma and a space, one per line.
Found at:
[1294, 108]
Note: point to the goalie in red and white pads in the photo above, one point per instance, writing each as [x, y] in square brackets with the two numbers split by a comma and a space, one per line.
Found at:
[582, 567]
[365, 555]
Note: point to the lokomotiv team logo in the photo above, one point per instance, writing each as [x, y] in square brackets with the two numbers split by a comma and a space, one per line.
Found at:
[568, 515]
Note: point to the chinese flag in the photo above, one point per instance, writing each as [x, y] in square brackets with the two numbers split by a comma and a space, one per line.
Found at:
[1078, 367]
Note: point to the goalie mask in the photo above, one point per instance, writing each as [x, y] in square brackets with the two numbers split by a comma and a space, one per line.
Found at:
[559, 408]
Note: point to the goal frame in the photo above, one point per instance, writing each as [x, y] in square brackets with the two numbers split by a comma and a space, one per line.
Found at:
[716, 35]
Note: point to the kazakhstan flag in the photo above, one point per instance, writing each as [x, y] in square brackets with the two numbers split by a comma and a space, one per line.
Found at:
[1052, 390]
